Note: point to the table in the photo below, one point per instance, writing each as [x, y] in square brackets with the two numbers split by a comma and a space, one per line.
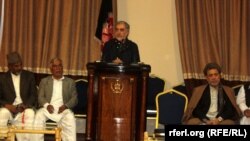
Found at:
[9, 132]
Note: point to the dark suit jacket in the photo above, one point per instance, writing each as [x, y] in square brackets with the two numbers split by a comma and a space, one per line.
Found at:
[28, 90]
[128, 51]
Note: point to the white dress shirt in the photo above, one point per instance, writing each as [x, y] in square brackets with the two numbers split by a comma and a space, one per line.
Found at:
[241, 101]
[16, 83]
[213, 109]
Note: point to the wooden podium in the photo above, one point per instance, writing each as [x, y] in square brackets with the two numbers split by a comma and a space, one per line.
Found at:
[116, 102]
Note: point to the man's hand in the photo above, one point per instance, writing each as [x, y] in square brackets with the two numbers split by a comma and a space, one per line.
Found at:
[247, 113]
[21, 107]
[62, 108]
[117, 61]
[209, 122]
[11, 108]
[215, 121]
[50, 109]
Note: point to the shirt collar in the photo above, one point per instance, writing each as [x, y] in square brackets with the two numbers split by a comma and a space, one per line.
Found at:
[213, 88]
[58, 79]
[14, 75]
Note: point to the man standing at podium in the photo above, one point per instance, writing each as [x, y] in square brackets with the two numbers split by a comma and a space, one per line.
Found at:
[120, 49]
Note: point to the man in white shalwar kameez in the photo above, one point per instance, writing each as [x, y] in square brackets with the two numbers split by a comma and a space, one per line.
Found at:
[243, 100]
[57, 95]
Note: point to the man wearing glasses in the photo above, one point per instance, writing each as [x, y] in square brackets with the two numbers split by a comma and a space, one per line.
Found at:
[120, 49]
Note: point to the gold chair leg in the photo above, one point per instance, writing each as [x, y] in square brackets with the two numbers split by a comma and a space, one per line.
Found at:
[58, 134]
[11, 134]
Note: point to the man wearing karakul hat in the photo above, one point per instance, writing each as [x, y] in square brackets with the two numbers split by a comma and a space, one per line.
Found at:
[18, 96]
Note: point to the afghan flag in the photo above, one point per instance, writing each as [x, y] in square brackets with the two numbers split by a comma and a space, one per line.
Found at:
[104, 30]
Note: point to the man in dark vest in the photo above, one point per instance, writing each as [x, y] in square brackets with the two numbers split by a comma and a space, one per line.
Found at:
[212, 103]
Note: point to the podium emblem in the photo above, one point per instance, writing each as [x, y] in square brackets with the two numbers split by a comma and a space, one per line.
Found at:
[117, 86]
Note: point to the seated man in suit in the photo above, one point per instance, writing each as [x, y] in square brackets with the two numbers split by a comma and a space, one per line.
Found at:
[57, 96]
[243, 100]
[18, 96]
[213, 103]
[120, 49]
